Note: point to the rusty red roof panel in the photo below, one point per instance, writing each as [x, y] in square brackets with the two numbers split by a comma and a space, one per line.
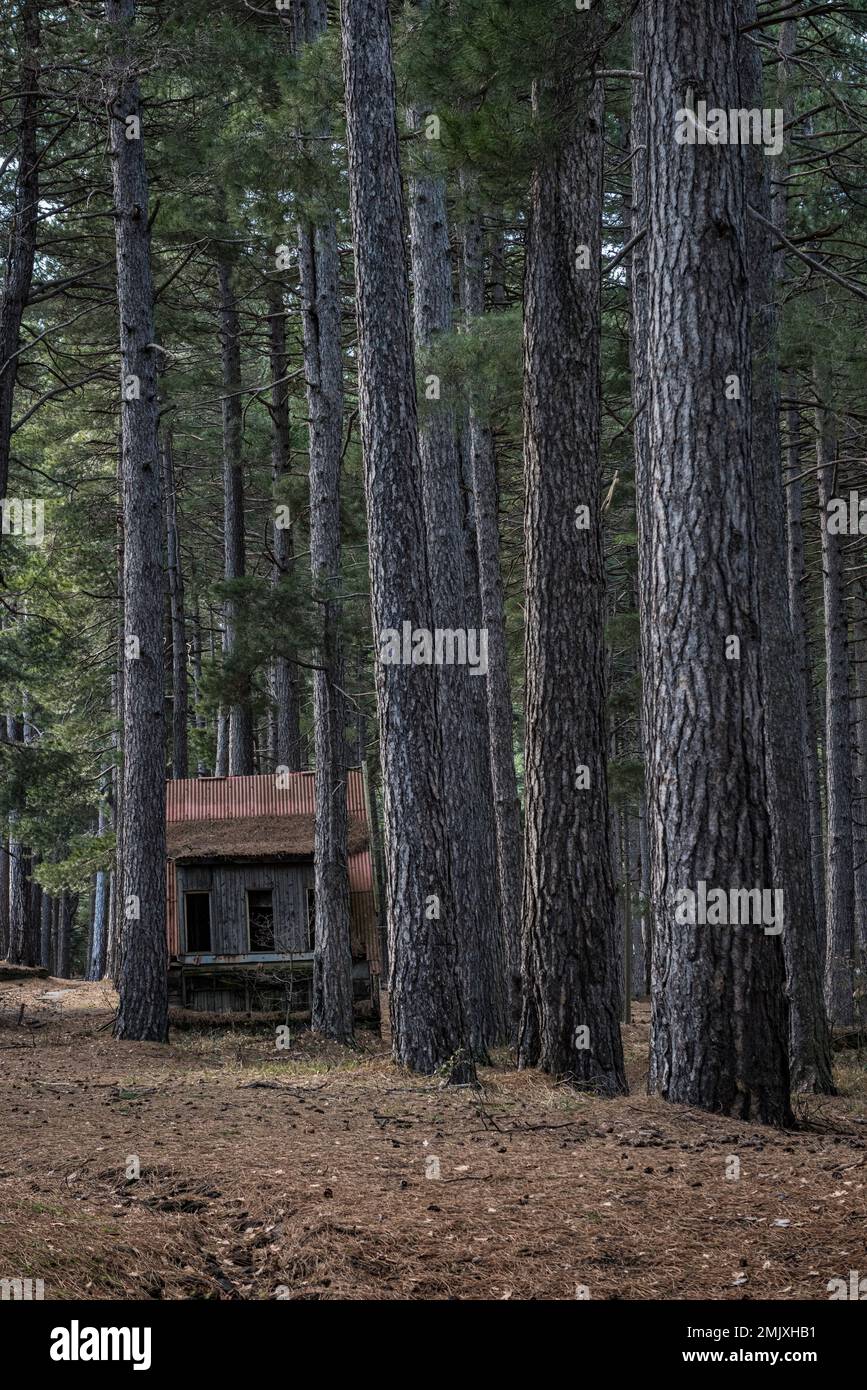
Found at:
[236, 798]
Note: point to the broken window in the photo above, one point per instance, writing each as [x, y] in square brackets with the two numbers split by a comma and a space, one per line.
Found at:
[260, 915]
[197, 921]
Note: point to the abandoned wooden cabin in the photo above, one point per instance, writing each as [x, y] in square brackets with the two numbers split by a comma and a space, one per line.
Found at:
[240, 891]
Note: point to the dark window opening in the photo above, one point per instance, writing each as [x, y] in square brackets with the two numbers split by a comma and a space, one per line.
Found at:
[311, 919]
[197, 913]
[260, 912]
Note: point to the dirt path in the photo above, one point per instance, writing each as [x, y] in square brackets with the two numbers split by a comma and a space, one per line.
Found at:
[302, 1174]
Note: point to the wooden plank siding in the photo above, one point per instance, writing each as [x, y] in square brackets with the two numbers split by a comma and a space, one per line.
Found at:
[228, 885]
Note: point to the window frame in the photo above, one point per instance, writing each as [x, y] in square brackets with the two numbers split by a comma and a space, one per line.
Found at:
[250, 948]
[192, 950]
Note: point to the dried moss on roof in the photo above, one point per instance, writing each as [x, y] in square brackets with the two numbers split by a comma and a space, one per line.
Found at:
[252, 837]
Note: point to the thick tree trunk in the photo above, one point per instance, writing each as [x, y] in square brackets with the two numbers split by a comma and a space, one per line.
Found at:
[32, 891]
[638, 303]
[180, 683]
[45, 920]
[34, 925]
[22, 238]
[56, 918]
[462, 711]
[99, 939]
[646, 915]
[571, 1021]
[96, 964]
[116, 918]
[221, 768]
[507, 811]
[319, 264]
[196, 653]
[840, 874]
[801, 648]
[4, 896]
[429, 1026]
[18, 860]
[66, 924]
[143, 1008]
[239, 715]
[285, 677]
[720, 1017]
[859, 740]
[4, 861]
[112, 916]
[785, 714]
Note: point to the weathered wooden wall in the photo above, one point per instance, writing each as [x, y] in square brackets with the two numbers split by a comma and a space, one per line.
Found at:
[228, 885]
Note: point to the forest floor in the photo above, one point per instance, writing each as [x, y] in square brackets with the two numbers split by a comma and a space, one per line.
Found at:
[302, 1174]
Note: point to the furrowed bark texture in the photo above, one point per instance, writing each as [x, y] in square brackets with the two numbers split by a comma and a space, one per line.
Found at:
[18, 855]
[801, 648]
[180, 681]
[66, 923]
[143, 1008]
[859, 741]
[507, 810]
[460, 693]
[785, 714]
[45, 917]
[569, 909]
[240, 751]
[719, 1018]
[427, 1010]
[284, 678]
[319, 263]
[118, 681]
[22, 238]
[840, 872]
[637, 279]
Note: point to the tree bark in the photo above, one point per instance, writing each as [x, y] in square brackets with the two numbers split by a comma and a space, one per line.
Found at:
[638, 303]
[143, 1008]
[54, 950]
[22, 238]
[462, 712]
[34, 926]
[99, 941]
[859, 819]
[801, 647]
[5, 862]
[180, 682]
[239, 715]
[840, 871]
[429, 1027]
[201, 720]
[18, 858]
[118, 683]
[720, 1017]
[319, 264]
[785, 715]
[507, 810]
[45, 919]
[571, 1019]
[4, 896]
[66, 924]
[285, 678]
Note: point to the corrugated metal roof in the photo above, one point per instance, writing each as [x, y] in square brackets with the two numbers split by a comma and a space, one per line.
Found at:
[234, 798]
